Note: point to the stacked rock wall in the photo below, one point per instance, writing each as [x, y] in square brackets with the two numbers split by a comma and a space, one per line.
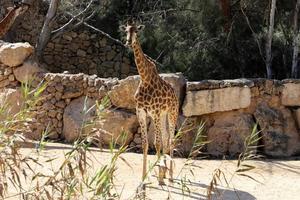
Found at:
[81, 50]
[229, 109]
[90, 52]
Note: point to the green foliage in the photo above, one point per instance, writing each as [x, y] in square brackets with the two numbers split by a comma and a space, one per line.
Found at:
[189, 35]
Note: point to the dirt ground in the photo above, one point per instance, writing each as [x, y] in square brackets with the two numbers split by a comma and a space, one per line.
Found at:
[276, 179]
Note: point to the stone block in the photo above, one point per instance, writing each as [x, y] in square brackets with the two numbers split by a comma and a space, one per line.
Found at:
[291, 94]
[280, 137]
[218, 100]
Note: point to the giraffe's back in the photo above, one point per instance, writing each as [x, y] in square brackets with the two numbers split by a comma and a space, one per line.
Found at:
[158, 96]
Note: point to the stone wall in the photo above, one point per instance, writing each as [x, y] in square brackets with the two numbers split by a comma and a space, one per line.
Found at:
[229, 108]
[82, 50]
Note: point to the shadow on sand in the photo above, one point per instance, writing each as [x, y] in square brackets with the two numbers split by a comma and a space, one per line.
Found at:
[224, 194]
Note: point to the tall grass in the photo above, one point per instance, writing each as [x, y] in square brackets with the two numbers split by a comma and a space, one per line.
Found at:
[242, 167]
[11, 128]
[219, 177]
[72, 178]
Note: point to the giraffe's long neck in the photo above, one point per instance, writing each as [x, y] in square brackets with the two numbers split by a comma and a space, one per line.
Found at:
[7, 22]
[146, 68]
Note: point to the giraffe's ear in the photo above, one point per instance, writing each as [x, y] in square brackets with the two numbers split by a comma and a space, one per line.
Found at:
[122, 28]
[9, 9]
[140, 27]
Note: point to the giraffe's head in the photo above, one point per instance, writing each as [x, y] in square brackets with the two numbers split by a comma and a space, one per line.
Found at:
[131, 30]
[19, 7]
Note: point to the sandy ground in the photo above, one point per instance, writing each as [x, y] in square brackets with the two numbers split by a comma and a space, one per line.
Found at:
[277, 179]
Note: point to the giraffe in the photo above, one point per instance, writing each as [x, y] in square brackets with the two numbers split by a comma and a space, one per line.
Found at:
[7, 22]
[154, 98]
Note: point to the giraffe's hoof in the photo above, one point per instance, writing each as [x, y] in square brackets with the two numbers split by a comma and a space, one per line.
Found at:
[171, 180]
[161, 183]
[141, 192]
[143, 187]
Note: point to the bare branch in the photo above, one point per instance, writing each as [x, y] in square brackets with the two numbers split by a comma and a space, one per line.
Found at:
[118, 41]
[66, 27]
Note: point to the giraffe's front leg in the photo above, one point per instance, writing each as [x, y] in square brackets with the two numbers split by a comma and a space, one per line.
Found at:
[142, 117]
[165, 139]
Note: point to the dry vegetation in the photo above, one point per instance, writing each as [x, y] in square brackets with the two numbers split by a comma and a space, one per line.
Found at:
[72, 178]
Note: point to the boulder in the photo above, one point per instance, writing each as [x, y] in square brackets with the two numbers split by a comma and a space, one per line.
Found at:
[279, 132]
[188, 127]
[298, 117]
[26, 72]
[209, 101]
[14, 54]
[122, 95]
[13, 100]
[291, 94]
[112, 124]
[178, 82]
[75, 118]
[227, 135]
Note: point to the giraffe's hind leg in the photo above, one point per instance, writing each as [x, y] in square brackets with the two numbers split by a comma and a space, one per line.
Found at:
[172, 121]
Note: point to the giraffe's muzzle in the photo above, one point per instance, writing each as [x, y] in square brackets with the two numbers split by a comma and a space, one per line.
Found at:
[128, 43]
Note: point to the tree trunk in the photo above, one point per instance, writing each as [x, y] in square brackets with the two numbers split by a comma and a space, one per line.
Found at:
[269, 40]
[225, 5]
[47, 28]
[295, 42]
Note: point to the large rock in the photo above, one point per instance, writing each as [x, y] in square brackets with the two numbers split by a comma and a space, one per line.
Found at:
[14, 54]
[291, 94]
[228, 134]
[13, 100]
[210, 101]
[298, 117]
[122, 95]
[26, 72]
[279, 132]
[112, 124]
[188, 128]
[75, 118]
